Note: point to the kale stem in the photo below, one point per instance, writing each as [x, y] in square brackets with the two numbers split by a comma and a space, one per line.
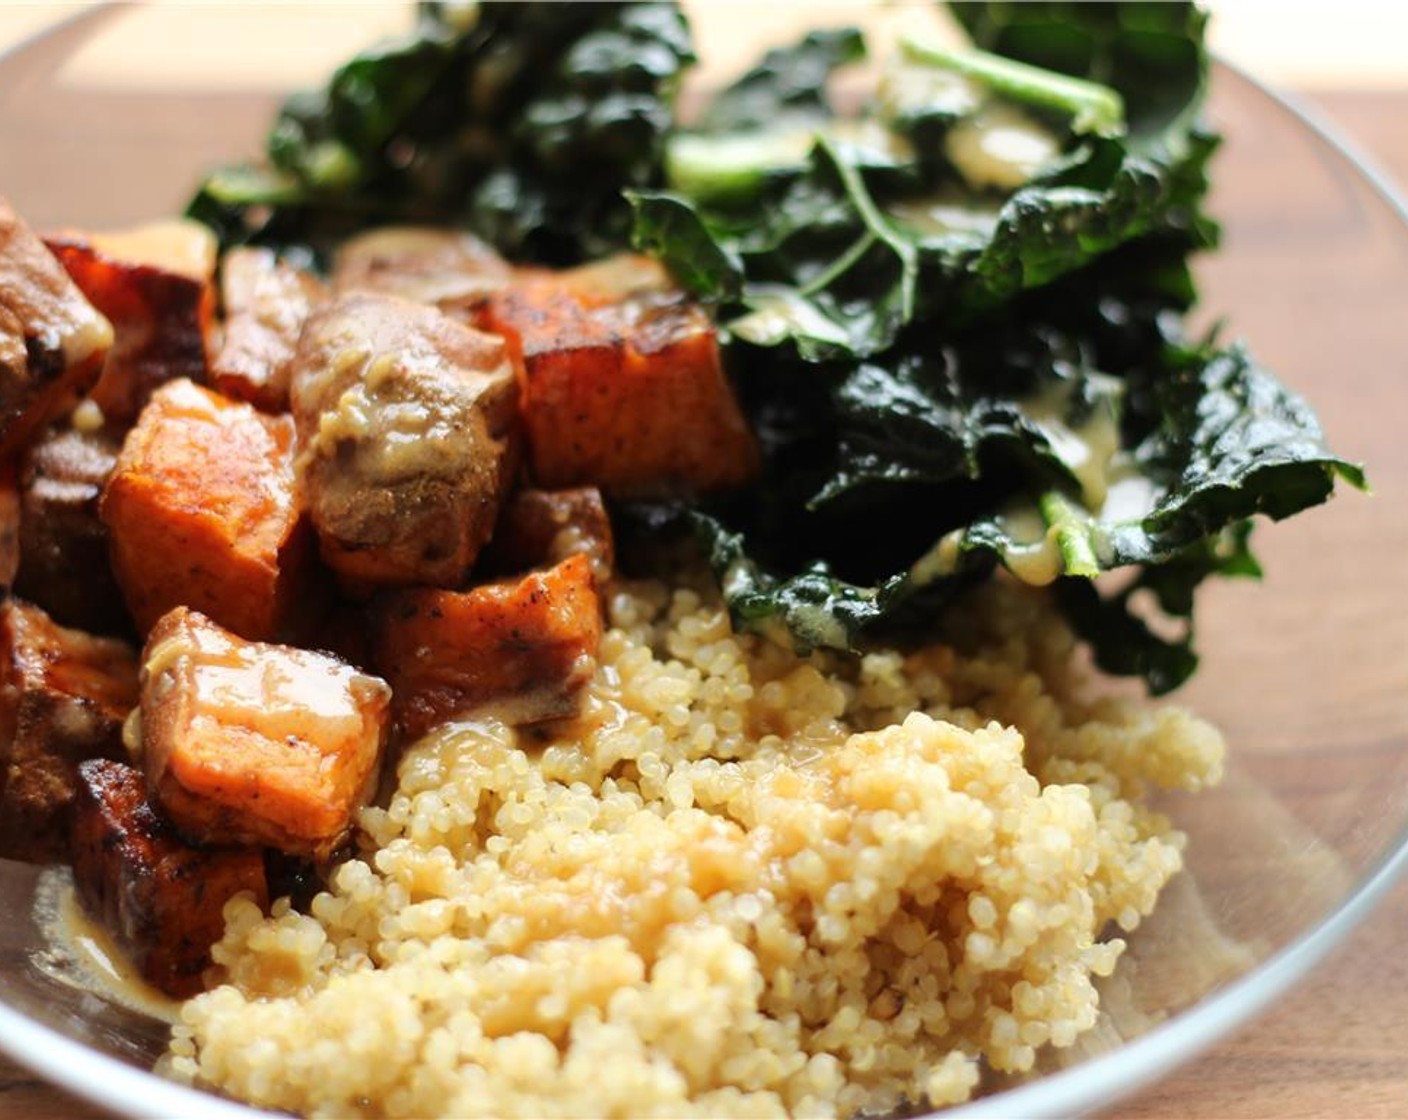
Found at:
[840, 265]
[1092, 107]
[1072, 534]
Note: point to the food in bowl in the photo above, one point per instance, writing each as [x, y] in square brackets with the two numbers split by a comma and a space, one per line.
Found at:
[832, 829]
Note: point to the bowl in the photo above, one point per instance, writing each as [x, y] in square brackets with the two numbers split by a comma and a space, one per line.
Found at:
[1306, 672]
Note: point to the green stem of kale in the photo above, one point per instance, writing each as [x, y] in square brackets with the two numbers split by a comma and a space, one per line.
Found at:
[1072, 534]
[1091, 106]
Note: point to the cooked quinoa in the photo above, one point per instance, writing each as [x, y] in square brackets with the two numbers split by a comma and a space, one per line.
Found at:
[742, 883]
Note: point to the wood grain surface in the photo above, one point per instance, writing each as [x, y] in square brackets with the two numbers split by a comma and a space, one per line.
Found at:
[1337, 1047]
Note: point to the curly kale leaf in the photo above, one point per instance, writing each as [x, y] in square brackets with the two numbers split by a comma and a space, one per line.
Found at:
[843, 231]
[521, 122]
[1069, 435]
[1151, 54]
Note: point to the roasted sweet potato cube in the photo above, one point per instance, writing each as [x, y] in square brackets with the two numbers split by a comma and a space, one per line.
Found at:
[52, 340]
[522, 648]
[539, 528]
[203, 510]
[266, 302]
[407, 426]
[63, 698]
[9, 525]
[154, 283]
[159, 896]
[63, 543]
[625, 394]
[454, 271]
[244, 742]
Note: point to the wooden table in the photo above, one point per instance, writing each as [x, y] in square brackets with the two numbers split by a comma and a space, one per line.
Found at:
[1337, 1047]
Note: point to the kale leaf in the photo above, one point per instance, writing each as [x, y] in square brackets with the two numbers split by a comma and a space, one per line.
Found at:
[523, 122]
[950, 377]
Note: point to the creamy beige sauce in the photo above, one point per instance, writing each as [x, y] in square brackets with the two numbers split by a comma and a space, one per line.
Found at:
[1035, 557]
[1000, 146]
[907, 87]
[298, 694]
[87, 417]
[79, 952]
[775, 311]
[1088, 448]
[869, 135]
[946, 213]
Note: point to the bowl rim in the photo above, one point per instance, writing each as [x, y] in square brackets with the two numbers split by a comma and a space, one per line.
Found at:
[1097, 1083]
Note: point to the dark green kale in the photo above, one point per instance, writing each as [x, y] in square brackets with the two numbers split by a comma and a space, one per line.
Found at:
[845, 229]
[522, 122]
[949, 377]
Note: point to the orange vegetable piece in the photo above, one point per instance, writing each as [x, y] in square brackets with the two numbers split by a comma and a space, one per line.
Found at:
[52, 340]
[63, 542]
[408, 431]
[160, 897]
[155, 285]
[9, 525]
[622, 389]
[63, 698]
[524, 648]
[539, 528]
[266, 302]
[250, 743]
[203, 511]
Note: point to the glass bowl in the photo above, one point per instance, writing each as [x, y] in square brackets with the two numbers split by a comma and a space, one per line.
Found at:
[1306, 671]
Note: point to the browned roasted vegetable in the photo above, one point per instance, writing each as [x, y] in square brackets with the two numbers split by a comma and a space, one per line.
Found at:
[244, 742]
[9, 525]
[625, 392]
[406, 424]
[63, 697]
[154, 284]
[159, 896]
[539, 528]
[52, 340]
[203, 511]
[63, 542]
[523, 647]
[455, 271]
[266, 303]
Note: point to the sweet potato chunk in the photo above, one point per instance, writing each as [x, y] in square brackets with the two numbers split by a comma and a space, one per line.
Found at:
[244, 742]
[621, 391]
[266, 303]
[9, 525]
[523, 648]
[203, 511]
[406, 426]
[63, 542]
[539, 528]
[160, 897]
[154, 284]
[452, 270]
[52, 340]
[63, 697]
